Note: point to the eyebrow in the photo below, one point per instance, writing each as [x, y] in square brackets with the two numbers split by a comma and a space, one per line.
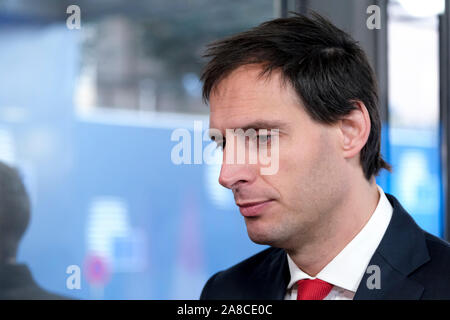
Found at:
[264, 124]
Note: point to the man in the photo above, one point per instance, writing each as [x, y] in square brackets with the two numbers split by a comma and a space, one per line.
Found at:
[16, 281]
[334, 234]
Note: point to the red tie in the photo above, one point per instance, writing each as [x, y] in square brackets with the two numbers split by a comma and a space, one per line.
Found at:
[313, 289]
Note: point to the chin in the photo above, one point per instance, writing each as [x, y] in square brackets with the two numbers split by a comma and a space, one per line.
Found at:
[267, 233]
[260, 240]
[263, 236]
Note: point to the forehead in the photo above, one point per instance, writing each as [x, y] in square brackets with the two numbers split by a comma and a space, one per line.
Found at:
[244, 97]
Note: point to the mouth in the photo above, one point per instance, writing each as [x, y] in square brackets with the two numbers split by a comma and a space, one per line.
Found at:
[253, 209]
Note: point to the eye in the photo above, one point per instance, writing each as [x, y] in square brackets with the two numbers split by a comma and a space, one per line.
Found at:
[220, 144]
[264, 138]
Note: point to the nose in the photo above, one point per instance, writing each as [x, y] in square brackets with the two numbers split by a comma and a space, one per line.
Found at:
[232, 175]
[236, 168]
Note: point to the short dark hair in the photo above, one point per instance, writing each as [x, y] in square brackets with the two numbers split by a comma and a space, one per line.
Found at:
[14, 211]
[326, 67]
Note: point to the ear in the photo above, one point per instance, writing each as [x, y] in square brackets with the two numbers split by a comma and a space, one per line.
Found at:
[355, 129]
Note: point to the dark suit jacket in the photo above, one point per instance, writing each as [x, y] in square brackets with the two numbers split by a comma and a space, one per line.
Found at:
[413, 265]
[17, 283]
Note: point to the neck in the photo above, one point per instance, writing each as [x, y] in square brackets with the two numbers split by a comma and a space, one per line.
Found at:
[342, 225]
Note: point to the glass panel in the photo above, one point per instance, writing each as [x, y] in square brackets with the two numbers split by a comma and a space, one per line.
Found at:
[413, 42]
[86, 115]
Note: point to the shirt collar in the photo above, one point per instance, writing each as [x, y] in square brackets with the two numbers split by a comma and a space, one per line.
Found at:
[348, 267]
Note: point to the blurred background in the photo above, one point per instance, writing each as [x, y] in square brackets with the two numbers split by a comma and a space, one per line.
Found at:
[86, 115]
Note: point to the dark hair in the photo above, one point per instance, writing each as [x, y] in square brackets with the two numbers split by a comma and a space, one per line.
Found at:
[14, 211]
[326, 67]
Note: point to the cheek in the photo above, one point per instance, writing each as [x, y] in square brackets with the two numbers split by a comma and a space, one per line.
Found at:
[304, 169]
[296, 161]
[301, 153]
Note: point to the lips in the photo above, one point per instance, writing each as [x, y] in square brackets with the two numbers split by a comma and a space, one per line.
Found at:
[253, 209]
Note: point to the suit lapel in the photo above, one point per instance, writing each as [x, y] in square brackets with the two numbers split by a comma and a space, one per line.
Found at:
[270, 279]
[393, 284]
[401, 251]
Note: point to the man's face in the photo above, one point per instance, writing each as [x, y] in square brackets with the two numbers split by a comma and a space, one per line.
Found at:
[291, 205]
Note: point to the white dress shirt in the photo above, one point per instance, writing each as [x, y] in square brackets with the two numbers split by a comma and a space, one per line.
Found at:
[346, 270]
